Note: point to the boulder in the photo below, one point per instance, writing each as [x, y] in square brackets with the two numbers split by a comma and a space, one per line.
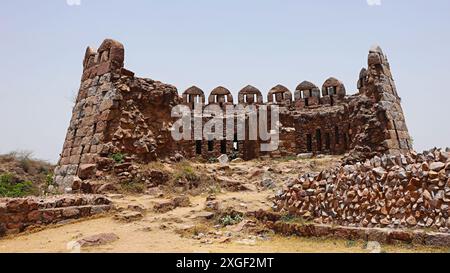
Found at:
[223, 160]
[86, 171]
[437, 166]
[128, 216]
[98, 240]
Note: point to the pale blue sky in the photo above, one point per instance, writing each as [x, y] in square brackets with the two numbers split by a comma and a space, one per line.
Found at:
[218, 42]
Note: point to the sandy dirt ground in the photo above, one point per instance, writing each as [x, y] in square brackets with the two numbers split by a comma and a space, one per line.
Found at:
[186, 230]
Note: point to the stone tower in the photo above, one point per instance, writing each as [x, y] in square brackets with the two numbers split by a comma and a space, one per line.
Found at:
[377, 83]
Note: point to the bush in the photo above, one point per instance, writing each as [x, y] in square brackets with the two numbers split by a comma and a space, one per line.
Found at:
[49, 179]
[119, 158]
[229, 220]
[10, 188]
[186, 172]
[234, 155]
[134, 187]
[212, 160]
[288, 218]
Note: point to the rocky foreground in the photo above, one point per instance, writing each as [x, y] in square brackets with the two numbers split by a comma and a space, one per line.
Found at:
[410, 191]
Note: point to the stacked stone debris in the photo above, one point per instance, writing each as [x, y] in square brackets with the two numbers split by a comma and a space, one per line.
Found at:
[410, 191]
[21, 214]
[117, 114]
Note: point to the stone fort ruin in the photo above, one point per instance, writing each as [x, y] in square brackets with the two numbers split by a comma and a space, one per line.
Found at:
[117, 112]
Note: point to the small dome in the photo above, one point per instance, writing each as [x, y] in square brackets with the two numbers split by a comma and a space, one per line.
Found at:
[306, 85]
[220, 91]
[194, 90]
[249, 89]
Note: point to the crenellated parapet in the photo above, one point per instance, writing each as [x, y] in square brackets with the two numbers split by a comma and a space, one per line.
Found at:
[307, 95]
[109, 57]
[279, 95]
[221, 96]
[250, 95]
[193, 95]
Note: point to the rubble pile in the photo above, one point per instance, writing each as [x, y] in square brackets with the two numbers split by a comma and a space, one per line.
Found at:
[411, 191]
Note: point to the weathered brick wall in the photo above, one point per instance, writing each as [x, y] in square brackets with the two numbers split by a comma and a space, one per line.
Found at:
[20, 214]
[116, 112]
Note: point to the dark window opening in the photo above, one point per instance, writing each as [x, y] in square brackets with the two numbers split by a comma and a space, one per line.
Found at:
[331, 90]
[95, 128]
[223, 147]
[319, 139]
[345, 141]
[75, 133]
[235, 143]
[336, 133]
[210, 146]
[306, 102]
[309, 142]
[327, 141]
[198, 147]
[331, 101]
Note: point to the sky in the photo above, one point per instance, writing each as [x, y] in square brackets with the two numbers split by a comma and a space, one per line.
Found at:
[222, 42]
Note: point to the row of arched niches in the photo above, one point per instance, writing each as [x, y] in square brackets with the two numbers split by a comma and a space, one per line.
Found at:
[306, 94]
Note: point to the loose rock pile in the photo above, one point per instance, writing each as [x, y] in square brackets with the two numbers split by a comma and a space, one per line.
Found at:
[410, 191]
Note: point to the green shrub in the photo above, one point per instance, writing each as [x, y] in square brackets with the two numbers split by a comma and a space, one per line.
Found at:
[289, 218]
[49, 179]
[119, 158]
[10, 188]
[229, 220]
[234, 155]
[186, 172]
[134, 186]
[212, 160]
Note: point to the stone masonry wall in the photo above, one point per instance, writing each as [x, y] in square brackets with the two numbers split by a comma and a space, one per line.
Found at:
[115, 112]
[21, 214]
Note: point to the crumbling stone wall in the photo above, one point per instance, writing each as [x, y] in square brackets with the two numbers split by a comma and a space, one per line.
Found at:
[118, 113]
[20, 214]
[115, 112]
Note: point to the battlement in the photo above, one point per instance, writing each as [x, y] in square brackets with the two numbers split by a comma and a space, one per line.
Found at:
[307, 95]
[116, 112]
[110, 56]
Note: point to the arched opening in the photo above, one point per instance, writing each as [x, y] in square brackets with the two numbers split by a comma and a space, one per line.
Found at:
[223, 147]
[319, 139]
[210, 145]
[309, 142]
[336, 135]
[346, 141]
[235, 143]
[198, 147]
[327, 141]
[331, 90]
